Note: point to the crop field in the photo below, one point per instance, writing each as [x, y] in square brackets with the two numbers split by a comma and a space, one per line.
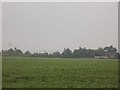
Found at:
[29, 72]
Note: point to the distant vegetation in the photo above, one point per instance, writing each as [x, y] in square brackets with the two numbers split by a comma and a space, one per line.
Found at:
[109, 51]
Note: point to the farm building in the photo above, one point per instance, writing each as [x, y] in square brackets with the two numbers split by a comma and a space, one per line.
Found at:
[101, 57]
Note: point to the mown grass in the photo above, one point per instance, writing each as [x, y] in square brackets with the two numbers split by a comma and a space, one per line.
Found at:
[22, 72]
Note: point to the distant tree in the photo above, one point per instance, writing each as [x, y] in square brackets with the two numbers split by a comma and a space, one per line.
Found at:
[111, 51]
[18, 52]
[67, 53]
[100, 52]
[0, 53]
[35, 54]
[56, 54]
[118, 54]
[76, 53]
[27, 53]
[83, 52]
[46, 54]
[91, 52]
[10, 52]
[15, 48]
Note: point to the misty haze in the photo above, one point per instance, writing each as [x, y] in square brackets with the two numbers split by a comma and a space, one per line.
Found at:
[54, 26]
[60, 45]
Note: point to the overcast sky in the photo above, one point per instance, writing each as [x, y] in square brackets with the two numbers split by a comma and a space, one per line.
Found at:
[0, 26]
[40, 27]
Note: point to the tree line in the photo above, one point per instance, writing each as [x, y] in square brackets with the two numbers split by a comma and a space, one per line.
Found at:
[109, 51]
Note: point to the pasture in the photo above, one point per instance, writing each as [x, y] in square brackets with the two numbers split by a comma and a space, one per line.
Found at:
[29, 72]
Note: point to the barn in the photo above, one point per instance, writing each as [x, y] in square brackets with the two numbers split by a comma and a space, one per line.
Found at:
[101, 57]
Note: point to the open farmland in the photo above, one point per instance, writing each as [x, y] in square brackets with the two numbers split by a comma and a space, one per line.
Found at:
[23, 72]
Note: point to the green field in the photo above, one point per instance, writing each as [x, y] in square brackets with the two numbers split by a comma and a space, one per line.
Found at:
[23, 72]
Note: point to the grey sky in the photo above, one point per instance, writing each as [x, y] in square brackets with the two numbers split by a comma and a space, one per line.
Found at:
[54, 26]
[1, 26]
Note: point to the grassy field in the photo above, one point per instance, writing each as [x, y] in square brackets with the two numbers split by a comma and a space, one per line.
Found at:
[0, 72]
[22, 72]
